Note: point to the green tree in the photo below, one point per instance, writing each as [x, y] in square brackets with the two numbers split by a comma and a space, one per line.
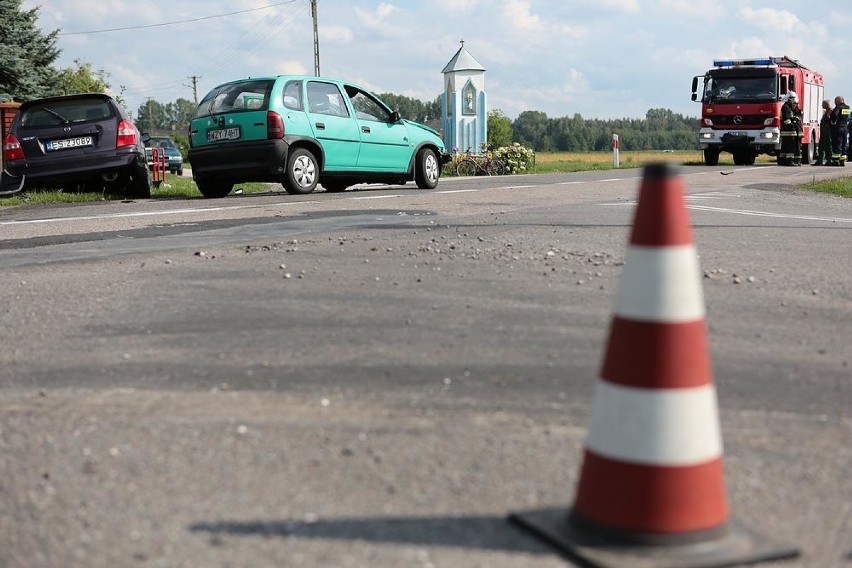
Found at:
[179, 114]
[82, 79]
[152, 117]
[531, 129]
[409, 108]
[155, 117]
[499, 129]
[26, 54]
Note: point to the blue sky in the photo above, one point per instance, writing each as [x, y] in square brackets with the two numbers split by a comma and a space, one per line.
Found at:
[598, 58]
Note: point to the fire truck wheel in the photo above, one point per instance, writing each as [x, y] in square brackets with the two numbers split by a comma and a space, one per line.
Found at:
[711, 157]
[808, 153]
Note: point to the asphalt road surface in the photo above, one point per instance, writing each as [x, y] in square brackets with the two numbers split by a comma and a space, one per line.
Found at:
[378, 378]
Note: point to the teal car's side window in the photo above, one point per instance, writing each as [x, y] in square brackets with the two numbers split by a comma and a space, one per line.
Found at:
[366, 107]
[293, 95]
[326, 98]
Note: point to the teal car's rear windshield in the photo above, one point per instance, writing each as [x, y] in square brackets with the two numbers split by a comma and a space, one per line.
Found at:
[236, 97]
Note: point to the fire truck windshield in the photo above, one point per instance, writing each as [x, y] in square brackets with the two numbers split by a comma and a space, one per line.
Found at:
[724, 86]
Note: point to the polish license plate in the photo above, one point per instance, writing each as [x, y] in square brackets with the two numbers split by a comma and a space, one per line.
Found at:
[232, 133]
[66, 143]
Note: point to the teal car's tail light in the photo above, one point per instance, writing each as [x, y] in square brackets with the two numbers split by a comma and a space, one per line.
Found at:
[274, 125]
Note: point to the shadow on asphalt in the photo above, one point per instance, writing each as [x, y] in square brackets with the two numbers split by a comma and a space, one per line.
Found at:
[490, 533]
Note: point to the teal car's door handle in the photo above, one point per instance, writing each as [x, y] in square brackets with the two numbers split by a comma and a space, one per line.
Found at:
[320, 126]
[365, 129]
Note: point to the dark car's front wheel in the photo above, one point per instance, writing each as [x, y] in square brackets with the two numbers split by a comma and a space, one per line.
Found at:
[427, 169]
[138, 183]
[212, 187]
[302, 172]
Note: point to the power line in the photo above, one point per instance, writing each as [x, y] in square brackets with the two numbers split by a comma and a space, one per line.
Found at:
[180, 21]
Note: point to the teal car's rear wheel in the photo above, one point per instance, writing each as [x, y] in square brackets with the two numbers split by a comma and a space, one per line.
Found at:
[302, 172]
[427, 169]
[212, 187]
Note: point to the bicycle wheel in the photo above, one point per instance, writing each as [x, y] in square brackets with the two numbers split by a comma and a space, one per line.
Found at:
[466, 168]
[496, 167]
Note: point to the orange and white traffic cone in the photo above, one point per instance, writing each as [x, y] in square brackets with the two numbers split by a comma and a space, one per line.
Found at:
[651, 489]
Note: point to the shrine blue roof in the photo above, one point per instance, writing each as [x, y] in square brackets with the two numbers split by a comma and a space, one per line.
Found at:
[463, 61]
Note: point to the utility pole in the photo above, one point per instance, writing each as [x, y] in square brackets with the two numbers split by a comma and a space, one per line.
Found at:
[150, 117]
[194, 79]
[316, 38]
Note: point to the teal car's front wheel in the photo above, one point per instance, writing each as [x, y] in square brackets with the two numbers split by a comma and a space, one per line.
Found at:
[427, 169]
[301, 175]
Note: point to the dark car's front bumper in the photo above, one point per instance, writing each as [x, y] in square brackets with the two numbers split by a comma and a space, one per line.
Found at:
[10, 184]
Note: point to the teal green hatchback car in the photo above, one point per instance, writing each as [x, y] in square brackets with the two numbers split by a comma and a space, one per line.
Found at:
[300, 131]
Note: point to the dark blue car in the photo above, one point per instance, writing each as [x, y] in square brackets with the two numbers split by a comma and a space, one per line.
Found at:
[75, 142]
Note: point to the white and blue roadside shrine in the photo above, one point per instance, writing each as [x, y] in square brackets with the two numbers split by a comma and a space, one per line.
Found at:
[464, 115]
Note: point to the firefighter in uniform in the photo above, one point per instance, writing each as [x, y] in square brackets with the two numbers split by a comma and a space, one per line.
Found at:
[791, 132]
[839, 120]
[824, 148]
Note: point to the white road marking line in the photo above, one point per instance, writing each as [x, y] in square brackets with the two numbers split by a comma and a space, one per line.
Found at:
[374, 197]
[457, 191]
[144, 214]
[767, 214]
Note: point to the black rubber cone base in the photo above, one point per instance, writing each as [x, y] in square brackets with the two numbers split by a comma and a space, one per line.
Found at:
[735, 547]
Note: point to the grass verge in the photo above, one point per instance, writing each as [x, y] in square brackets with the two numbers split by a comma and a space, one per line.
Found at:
[840, 186]
[175, 187]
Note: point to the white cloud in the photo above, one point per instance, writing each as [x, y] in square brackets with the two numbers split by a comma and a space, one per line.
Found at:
[340, 35]
[778, 21]
[519, 14]
[520, 17]
[629, 6]
[291, 68]
[456, 7]
[705, 9]
[376, 17]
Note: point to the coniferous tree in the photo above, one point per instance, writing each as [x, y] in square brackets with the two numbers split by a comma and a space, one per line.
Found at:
[26, 54]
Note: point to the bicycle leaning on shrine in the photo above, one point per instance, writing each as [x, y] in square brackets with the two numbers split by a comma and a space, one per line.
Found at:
[484, 164]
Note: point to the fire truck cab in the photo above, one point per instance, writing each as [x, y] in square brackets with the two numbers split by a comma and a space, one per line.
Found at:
[741, 103]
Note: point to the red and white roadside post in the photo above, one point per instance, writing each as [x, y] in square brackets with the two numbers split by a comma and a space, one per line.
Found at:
[158, 165]
[615, 150]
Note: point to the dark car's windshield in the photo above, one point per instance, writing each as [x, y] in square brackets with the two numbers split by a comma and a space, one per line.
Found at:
[155, 142]
[236, 97]
[54, 113]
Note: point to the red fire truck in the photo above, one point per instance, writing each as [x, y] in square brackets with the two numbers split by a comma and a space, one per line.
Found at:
[741, 107]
